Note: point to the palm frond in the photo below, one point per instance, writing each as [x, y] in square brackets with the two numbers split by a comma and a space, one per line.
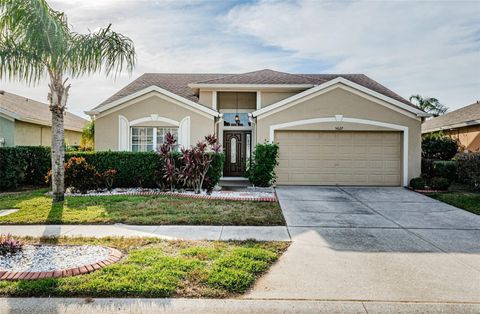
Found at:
[103, 50]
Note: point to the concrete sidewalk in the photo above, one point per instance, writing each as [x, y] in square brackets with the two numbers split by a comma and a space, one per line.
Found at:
[275, 233]
[124, 306]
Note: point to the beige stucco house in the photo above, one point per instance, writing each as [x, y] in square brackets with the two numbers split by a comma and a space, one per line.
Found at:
[26, 122]
[462, 124]
[331, 129]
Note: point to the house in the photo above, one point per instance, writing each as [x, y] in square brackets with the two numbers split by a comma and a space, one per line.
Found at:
[462, 124]
[331, 128]
[26, 122]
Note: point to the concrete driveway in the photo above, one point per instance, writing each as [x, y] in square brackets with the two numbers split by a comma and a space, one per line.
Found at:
[375, 244]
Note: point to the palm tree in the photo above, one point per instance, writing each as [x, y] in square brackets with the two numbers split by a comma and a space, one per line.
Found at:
[36, 41]
[429, 105]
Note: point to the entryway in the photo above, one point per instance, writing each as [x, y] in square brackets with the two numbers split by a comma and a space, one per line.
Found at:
[237, 146]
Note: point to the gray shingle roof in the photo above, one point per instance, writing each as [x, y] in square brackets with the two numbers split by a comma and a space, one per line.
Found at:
[469, 115]
[265, 76]
[29, 110]
[177, 83]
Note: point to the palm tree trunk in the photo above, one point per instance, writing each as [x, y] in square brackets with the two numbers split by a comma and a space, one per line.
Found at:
[58, 99]
[58, 155]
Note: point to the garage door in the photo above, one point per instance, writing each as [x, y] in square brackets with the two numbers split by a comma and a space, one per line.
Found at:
[343, 158]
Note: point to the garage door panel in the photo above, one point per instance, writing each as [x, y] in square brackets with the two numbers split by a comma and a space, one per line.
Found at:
[346, 158]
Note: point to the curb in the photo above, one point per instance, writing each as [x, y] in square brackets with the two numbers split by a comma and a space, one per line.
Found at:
[114, 256]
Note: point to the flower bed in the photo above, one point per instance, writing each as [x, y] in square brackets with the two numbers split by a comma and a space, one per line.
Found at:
[248, 195]
[34, 262]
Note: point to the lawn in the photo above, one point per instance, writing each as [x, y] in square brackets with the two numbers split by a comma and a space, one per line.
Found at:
[469, 201]
[36, 208]
[159, 268]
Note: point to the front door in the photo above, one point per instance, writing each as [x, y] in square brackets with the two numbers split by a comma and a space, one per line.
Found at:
[237, 146]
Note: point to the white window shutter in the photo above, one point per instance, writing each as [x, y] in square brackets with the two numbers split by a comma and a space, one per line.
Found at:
[184, 132]
[123, 134]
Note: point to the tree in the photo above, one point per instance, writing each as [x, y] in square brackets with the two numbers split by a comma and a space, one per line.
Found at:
[87, 141]
[429, 105]
[36, 41]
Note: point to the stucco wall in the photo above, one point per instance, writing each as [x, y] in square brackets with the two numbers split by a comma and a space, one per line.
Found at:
[29, 134]
[205, 98]
[269, 98]
[469, 137]
[106, 124]
[228, 100]
[7, 132]
[349, 104]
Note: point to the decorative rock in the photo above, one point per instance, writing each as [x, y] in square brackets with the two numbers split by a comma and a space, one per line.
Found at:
[55, 261]
[259, 194]
[5, 212]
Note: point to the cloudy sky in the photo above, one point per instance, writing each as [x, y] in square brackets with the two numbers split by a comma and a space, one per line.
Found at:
[430, 48]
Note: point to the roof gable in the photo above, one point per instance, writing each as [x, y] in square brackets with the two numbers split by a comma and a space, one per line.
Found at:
[331, 83]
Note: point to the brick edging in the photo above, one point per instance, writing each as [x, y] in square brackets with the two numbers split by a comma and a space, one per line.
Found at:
[114, 256]
[208, 197]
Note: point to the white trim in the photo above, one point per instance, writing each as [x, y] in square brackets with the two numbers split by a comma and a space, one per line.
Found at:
[331, 83]
[259, 100]
[154, 118]
[397, 127]
[235, 110]
[249, 86]
[184, 132]
[214, 100]
[124, 143]
[6, 116]
[147, 90]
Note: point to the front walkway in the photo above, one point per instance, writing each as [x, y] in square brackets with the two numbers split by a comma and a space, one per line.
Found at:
[274, 233]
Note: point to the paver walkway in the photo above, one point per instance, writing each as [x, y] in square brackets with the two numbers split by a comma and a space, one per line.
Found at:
[273, 233]
[380, 244]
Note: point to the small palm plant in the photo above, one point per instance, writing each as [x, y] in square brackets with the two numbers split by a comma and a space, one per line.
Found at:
[37, 41]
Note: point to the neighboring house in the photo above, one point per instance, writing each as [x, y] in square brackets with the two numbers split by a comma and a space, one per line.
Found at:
[26, 122]
[332, 129]
[463, 124]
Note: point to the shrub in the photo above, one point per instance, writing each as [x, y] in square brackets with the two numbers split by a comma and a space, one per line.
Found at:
[417, 183]
[438, 183]
[106, 178]
[439, 168]
[196, 162]
[129, 166]
[215, 171]
[261, 169]
[468, 172]
[439, 147]
[23, 165]
[79, 175]
[9, 245]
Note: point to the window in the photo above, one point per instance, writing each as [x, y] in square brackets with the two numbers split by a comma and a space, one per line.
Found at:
[233, 150]
[146, 139]
[229, 119]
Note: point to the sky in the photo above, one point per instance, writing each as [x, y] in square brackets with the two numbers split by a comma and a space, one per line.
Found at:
[431, 48]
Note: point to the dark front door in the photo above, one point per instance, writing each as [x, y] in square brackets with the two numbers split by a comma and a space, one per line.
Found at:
[236, 151]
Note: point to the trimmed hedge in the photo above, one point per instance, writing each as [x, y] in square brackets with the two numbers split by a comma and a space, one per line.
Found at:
[29, 165]
[439, 168]
[469, 169]
[23, 165]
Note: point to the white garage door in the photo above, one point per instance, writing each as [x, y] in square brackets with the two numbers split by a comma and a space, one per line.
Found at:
[343, 158]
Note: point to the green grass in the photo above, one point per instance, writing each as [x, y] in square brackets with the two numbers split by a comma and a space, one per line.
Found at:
[36, 208]
[159, 268]
[469, 201]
